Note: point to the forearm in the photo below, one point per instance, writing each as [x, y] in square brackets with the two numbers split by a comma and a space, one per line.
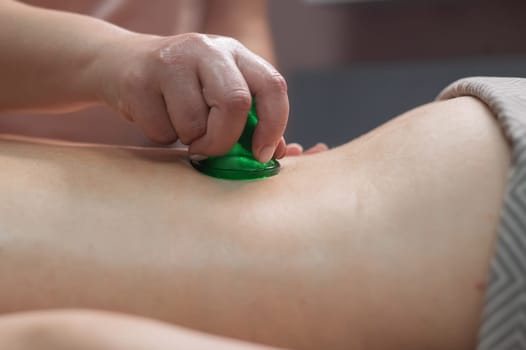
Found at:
[246, 21]
[46, 57]
[65, 330]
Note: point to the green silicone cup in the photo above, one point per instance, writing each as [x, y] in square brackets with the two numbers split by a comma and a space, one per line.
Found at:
[239, 163]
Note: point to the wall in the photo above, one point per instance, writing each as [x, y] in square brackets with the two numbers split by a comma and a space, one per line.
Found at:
[334, 35]
[351, 67]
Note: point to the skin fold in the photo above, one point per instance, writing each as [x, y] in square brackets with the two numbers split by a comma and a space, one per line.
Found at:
[382, 243]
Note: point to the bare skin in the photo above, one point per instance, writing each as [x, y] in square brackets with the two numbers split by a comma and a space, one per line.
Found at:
[190, 87]
[90, 330]
[383, 243]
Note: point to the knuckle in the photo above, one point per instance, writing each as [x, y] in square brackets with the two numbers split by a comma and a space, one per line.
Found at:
[183, 49]
[233, 43]
[195, 129]
[238, 101]
[198, 126]
[193, 125]
[226, 42]
[277, 83]
[196, 39]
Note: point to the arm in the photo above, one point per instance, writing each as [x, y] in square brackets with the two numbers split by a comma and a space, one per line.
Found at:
[191, 87]
[90, 330]
[47, 56]
[247, 21]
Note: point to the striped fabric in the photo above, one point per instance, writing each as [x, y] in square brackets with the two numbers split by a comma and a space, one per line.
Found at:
[504, 318]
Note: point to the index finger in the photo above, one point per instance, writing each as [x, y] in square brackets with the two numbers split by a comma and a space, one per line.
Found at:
[272, 102]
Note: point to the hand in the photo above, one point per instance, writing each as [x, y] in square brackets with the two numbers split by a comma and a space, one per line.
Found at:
[196, 88]
[295, 149]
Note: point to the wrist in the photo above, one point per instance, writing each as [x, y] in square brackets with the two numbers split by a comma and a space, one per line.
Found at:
[102, 66]
[113, 65]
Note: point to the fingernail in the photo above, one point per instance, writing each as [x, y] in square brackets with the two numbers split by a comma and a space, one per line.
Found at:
[266, 154]
[197, 157]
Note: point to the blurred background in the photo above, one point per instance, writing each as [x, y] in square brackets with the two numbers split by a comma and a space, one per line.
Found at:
[352, 65]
